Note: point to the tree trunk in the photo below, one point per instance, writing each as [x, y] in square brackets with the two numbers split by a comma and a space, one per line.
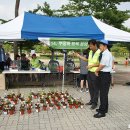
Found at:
[52, 54]
[16, 14]
[17, 8]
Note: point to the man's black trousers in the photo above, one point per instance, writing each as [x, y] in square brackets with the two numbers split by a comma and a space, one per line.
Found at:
[104, 85]
[93, 87]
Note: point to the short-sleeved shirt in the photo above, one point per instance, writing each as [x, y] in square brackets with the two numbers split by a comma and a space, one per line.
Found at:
[107, 61]
[83, 67]
[35, 63]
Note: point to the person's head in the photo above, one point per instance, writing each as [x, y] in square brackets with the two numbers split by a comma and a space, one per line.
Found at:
[7, 54]
[93, 45]
[23, 56]
[17, 57]
[34, 56]
[103, 45]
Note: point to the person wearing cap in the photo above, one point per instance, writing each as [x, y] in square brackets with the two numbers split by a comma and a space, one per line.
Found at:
[104, 77]
[93, 63]
[2, 57]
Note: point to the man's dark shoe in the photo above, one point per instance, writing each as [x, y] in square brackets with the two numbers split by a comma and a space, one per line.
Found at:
[89, 103]
[93, 106]
[97, 110]
[99, 115]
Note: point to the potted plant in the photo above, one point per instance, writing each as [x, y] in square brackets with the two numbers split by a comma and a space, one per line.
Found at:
[29, 98]
[31, 93]
[44, 106]
[42, 100]
[62, 95]
[56, 102]
[51, 106]
[76, 103]
[81, 105]
[1, 106]
[47, 100]
[10, 97]
[11, 109]
[66, 93]
[65, 98]
[21, 98]
[70, 104]
[53, 98]
[15, 100]
[22, 109]
[29, 109]
[58, 106]
[5, 109]
[35, 95]
[59, 98]
[37, 107]
[64, 105]
[19, 95]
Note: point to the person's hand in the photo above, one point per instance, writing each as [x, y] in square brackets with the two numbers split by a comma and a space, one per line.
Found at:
[89, 66]
[76, 54]
[96, 73]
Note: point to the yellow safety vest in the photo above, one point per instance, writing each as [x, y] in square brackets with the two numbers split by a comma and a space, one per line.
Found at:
[93, 59]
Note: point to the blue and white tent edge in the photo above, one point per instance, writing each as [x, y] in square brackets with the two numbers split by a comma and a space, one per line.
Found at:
[12, 29]
[112, 33]
[31, 26]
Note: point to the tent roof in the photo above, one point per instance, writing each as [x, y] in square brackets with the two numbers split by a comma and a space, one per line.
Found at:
[30, 26]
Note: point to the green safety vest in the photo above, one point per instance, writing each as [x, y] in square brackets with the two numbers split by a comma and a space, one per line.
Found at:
[35, 63]
[93, 59]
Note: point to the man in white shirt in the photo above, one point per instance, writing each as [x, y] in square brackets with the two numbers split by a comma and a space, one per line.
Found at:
[104, 77]
[2, 57]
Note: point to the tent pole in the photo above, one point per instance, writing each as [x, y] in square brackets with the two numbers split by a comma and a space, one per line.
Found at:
[63, 80]
[20, 48]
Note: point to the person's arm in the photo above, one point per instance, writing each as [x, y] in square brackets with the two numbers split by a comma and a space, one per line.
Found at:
[99, 69]
[91, 66]
[81, 57]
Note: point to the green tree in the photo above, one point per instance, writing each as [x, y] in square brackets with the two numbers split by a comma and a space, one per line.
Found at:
[105, 10]
[45, 9]
[8, 47]
[119, 50]
[125, 45]
[26, 46]
[40, 48]
[3, 21]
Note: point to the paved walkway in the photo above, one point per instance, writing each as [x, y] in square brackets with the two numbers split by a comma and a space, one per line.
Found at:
[118, 117]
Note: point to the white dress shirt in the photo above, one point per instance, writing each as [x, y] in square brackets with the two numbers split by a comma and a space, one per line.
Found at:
[107, 61]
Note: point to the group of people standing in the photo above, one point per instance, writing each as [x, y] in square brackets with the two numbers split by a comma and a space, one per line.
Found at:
[99, 60]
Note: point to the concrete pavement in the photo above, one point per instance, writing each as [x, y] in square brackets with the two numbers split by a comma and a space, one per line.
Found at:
[117, 118]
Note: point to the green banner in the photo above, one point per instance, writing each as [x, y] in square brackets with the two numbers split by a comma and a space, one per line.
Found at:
[66, 43]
